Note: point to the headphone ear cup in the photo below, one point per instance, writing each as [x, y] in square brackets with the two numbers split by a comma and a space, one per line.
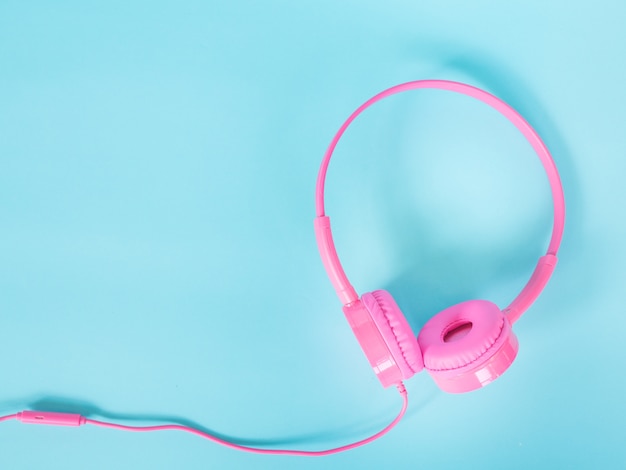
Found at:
[395, 330]
[468, 345]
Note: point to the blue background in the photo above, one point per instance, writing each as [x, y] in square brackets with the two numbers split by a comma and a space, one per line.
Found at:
[157, 256]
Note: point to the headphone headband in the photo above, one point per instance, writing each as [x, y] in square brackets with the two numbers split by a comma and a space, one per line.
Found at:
[546, 263]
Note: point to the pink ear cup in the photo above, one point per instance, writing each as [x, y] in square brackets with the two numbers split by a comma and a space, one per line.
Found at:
[395, 331]
[374, 346]
[467, 346]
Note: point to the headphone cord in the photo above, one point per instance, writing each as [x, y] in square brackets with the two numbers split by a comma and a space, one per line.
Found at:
[66, 419]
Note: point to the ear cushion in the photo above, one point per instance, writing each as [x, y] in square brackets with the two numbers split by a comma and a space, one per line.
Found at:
[395, 330]
[462, 335]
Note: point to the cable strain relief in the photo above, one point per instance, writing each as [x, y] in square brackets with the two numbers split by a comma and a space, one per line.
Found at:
[401, 388]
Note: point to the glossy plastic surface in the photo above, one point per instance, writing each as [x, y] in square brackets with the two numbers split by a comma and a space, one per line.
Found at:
[475, 376]
[467, 346]
[369, 337]
[335, 271]
[50, 418]
[533, 288]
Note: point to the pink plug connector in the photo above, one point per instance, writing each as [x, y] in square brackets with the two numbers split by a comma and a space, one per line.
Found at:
[51, 418]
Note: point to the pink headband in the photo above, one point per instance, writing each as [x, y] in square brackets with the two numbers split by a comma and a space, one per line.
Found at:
[546, 263]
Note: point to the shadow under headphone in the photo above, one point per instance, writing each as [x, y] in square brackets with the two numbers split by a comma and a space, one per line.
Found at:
[463, 347]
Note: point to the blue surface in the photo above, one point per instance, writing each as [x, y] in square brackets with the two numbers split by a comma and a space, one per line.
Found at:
[157, 257]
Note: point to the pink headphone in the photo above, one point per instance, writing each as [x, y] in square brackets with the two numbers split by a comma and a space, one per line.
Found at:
[464, 347]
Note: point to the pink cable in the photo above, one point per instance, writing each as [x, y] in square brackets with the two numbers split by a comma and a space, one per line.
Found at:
[8, 417]
[72, 421]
